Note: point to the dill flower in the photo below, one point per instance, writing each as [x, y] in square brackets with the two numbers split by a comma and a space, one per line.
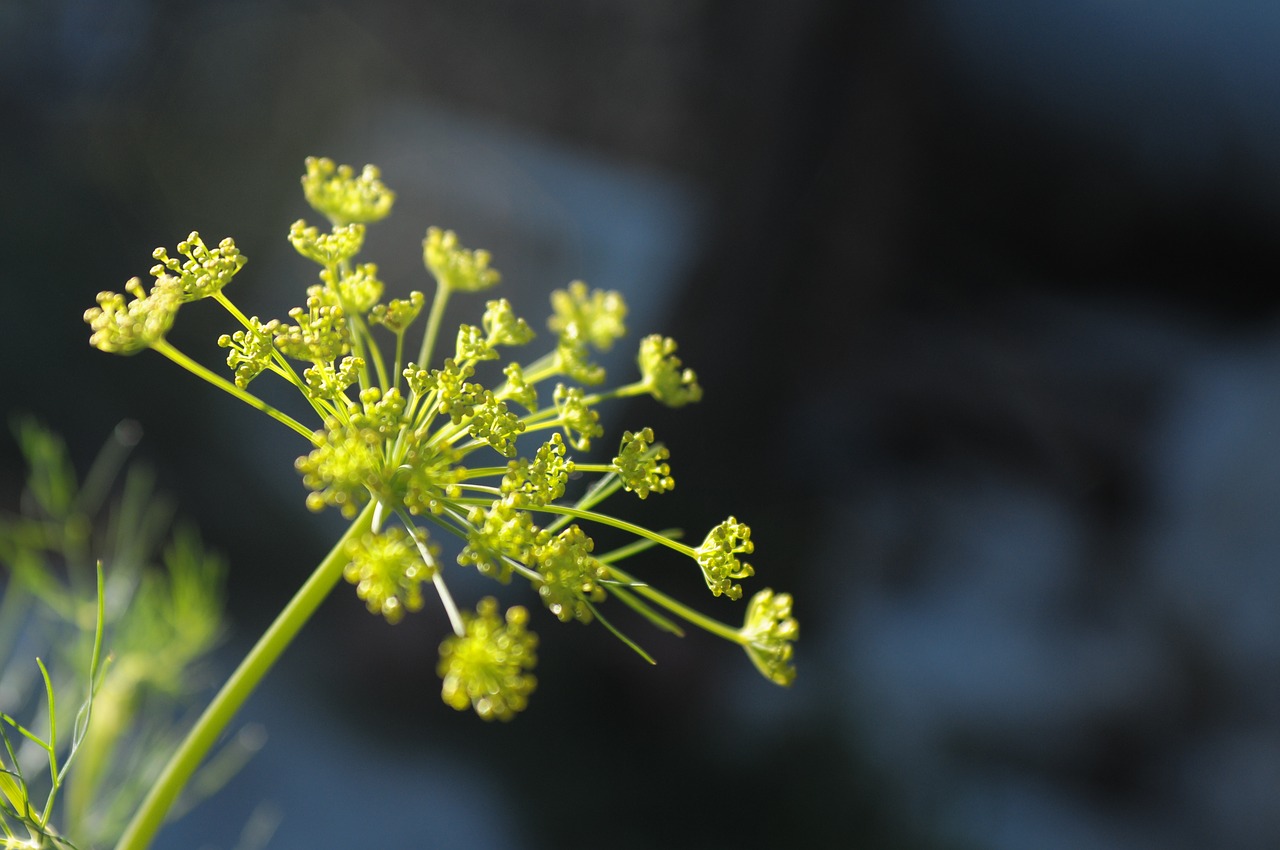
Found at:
[488, 447]
[487, 667]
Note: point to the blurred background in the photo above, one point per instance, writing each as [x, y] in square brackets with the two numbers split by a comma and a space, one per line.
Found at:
[982, 296]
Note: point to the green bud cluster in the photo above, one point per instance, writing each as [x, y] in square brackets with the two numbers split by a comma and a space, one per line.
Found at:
[388, 570]
[343, 197]
[429, 443]
[487, 666]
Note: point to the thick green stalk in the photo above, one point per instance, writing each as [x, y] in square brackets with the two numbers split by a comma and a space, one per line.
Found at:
[215, 719]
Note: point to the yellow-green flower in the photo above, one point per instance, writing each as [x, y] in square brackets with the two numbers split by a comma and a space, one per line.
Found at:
[488, 667]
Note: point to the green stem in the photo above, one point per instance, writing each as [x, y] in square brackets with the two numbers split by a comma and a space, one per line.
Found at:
[684, 612]
[163, 347]
[149, 817]
[433, 326]
[592, 516]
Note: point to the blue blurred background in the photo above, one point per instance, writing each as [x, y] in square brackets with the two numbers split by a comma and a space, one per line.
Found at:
[982, 294]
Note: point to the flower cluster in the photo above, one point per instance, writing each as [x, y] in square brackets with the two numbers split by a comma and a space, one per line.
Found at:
[406, 443]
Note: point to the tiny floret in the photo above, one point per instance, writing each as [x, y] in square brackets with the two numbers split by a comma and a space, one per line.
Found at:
[388, 570]
[499, 536]
[573, 358]
[542, 480]
[250, 349]
[357, 290]
[455, 267]
[580, 422]
[454, 394]
[397, 314]
[517, 389]
[474, 345]
[341, 468]
[327, 249]
[570, 575]
[503, 326]
[662, 373]
[599, 315]
[718, 557]
[769, 633]
[320, 335]
[427, 477]
[127, 327]
[488, 668]
[327, 381]
[205, 271]
[347, 463]
[494, 423]
[343, 196]
[640, 464]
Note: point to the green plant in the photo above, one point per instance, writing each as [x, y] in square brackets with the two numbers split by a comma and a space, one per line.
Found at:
[403, 445]
[157, 610]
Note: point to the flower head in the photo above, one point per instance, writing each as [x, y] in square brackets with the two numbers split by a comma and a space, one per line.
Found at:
[640, 464]
[769, 632]
[341, 468]
[494, 423]
[573, 358]
[324, 380]
[127, 327]
[205, 271]
[348, 462]
[503, 327]
[357, 290]
[397, 314]
[663, 375]
[499, 535]
[397, 433]
[388, 570]
[718, 557]
[321, 334]
[454, 394]
[343, 196]
[577, 417]
[518, 389]
[598, 315]
[327, 249]
[454, 267]
[251, 349]
[488, 668]
[570, 576]
[539, 481]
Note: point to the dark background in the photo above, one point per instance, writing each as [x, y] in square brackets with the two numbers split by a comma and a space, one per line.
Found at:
[982, 296]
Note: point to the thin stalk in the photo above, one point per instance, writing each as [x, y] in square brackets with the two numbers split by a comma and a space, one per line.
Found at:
[438, 305]
[684, 612]
[281, 367]
[149, 817]
[603, 519]
[163, 347]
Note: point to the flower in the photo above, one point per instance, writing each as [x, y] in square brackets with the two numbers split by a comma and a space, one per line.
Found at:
[662, 374]
[121, 327]
[768, 633]
[718, 557]
[639, 464]
[454, 267]
[488, 667]
[205, 271]
[598, 316]
[388, 569]
[342, 196]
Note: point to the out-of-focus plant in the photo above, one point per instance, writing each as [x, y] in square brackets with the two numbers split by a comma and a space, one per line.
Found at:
[475, 445]
[119, 612]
